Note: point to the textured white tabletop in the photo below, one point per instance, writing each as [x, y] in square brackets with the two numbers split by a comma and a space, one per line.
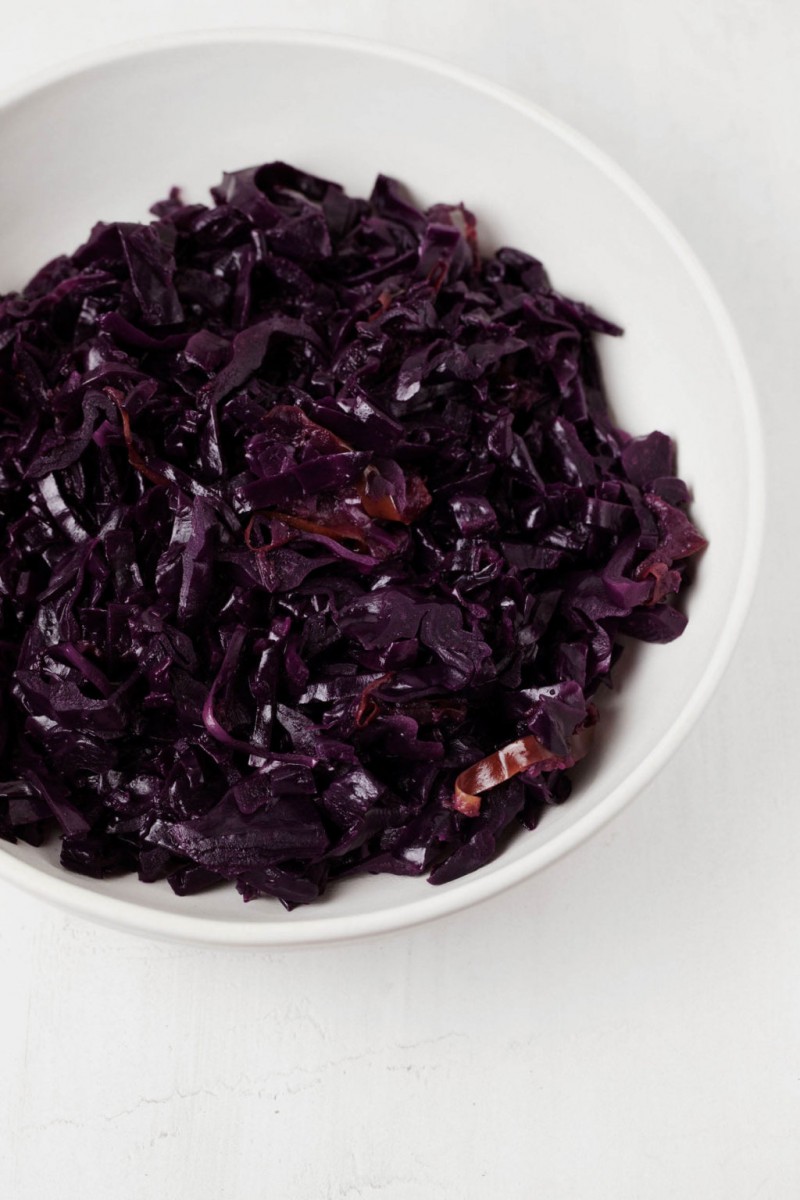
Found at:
[625, 1025]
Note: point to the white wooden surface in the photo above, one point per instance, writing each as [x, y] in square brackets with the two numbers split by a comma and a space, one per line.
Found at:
[624, 1026]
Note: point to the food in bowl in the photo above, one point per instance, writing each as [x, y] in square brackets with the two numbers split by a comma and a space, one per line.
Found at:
[317, 541]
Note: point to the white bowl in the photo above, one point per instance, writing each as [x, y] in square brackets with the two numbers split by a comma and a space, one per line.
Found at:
[106, 139]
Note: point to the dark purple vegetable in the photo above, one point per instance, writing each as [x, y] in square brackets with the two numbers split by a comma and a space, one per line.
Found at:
[316, 540]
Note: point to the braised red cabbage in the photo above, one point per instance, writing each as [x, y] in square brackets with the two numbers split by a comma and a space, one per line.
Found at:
[317, 539]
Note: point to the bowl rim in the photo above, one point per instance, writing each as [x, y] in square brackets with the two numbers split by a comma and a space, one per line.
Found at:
[68, 893]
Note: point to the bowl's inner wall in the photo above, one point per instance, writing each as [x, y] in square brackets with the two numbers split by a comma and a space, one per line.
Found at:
[105, 143]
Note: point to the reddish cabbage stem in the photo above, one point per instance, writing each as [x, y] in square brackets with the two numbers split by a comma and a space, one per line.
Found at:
[511, 760]
[134, 457]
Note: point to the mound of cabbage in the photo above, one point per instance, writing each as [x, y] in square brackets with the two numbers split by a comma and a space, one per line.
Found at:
[317, 539]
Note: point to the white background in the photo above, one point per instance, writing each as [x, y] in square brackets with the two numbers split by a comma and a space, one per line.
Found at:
[625, 1025]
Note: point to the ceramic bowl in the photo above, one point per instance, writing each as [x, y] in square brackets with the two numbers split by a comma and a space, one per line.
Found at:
[105, 138]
